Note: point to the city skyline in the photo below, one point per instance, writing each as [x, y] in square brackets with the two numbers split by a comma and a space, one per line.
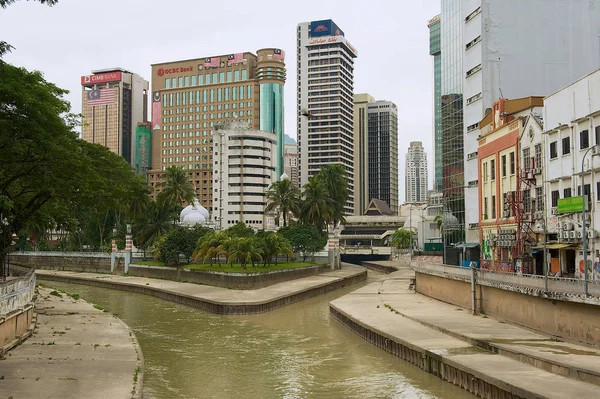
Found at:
[411, 87]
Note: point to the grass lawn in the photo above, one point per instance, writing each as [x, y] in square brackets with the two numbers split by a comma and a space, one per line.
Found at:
[237, 268]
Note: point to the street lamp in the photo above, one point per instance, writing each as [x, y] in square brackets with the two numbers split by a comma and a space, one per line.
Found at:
[584, 233]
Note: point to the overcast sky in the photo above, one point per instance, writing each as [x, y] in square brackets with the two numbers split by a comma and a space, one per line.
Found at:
[77, 36]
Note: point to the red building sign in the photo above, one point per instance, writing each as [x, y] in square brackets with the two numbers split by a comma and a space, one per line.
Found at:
[101, 78]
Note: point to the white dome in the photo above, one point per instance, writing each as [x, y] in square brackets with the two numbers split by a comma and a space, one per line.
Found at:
[193, 218]
[203, 211]
[185, 211]
[284, 176]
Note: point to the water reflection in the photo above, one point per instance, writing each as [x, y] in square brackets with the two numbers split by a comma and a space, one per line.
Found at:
[295, 352]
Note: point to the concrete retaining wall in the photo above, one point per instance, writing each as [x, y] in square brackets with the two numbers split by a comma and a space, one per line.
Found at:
[568, 320]
[378, 267]
[237, 281]
[73, 261]
[432, 363]
[215, 307]
[16, 327]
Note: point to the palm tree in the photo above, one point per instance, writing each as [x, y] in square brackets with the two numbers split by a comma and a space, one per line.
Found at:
[153, 223]
[245, 251]
[176, 188]
[209, 247]
[272, 245]
[284, 197]
[439, 221]
[317, 207]
[402, 238]
[335, 179]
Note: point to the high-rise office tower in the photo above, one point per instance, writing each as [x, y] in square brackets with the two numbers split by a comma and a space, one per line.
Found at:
[361, 165]
[416, 173]
[382, 153]
[487, 54]
[434, 26]
[113, 101]
[191, 97]
[290, 162]
[325, 101]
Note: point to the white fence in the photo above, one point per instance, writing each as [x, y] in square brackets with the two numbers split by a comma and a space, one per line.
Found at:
[16, 293]
[525, 281]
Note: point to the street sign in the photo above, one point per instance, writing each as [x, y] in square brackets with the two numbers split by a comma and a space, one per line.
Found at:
[571, 204]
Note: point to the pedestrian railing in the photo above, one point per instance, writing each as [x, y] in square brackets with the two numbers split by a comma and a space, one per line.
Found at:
[16, 293]
[561, 285]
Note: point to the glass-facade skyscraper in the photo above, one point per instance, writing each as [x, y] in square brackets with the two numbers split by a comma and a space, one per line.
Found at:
[435, 50]
[452, 159]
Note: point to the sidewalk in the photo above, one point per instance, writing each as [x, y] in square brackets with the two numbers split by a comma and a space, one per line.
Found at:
[76, 351]
[474, 344]
[217, 299]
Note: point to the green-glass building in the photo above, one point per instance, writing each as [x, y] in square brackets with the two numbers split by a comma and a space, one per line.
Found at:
[435, 50]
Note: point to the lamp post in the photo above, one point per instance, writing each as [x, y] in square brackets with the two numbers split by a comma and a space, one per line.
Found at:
[583, 229]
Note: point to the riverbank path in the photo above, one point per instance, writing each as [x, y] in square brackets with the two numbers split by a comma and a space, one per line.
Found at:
[76, 351]
[519, 360]
[217, 299]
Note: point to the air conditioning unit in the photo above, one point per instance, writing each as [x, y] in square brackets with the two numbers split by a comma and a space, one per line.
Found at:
[553, 211]
[572, 234]
[538, 215]
[564, 235]
[537, 171]
[506, 214]
[580, 234]
[592, 234]
[559, 225]
[568, 226]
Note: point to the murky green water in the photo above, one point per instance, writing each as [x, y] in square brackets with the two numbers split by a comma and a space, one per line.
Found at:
[295, 352]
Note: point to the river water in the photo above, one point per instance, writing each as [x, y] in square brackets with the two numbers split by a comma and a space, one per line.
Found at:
[298, 351]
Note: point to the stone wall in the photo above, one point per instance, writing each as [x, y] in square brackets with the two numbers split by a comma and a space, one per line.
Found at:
[72, 261]
[568, 320]
[16, 310]
[239, 281]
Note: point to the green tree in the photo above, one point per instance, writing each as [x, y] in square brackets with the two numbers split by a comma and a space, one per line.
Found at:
[208, 247]
[176, 188]
[180, 241]
[402, 238]
[283, 197]
[272, 245]
[317, 206]
[240, 230]
[245, 251]
[335, 179]
[47, 175]
[439, 221]
[155, 221]
[304, 239]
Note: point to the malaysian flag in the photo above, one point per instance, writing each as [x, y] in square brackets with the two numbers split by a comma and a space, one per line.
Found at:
[279, 54]
[235, 58]
[101, 97]
[212, 61]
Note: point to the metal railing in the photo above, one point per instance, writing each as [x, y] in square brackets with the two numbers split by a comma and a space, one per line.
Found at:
[561, 285]
[59, 253]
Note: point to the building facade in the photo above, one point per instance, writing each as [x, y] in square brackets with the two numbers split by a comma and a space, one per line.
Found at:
[513, 49]
[191, 97]
[451, 27]
[506, 205]
[325, 82]
[382, 153]
[571, 137]
[416, 174]
[290, 163]
[245, 166]
[113, 102]
[143, 147]
[361, 165]
[435, 50]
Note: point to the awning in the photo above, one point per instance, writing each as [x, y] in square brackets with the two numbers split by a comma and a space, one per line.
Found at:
[551, 246]
[468, 245]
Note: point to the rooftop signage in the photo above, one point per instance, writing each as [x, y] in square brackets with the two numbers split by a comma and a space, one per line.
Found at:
[101, 78]
[169, 71]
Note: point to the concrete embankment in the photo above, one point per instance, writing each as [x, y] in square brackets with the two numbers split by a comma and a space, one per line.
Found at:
[484, 356]
[216, 299]
[76, 351]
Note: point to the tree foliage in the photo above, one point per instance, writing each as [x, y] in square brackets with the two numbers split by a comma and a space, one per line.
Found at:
[402, 238]
[176, 188]
[335, 179]
[283, 197]
[179, 241]
[304, 239]
[240, 230]
[317, 206]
